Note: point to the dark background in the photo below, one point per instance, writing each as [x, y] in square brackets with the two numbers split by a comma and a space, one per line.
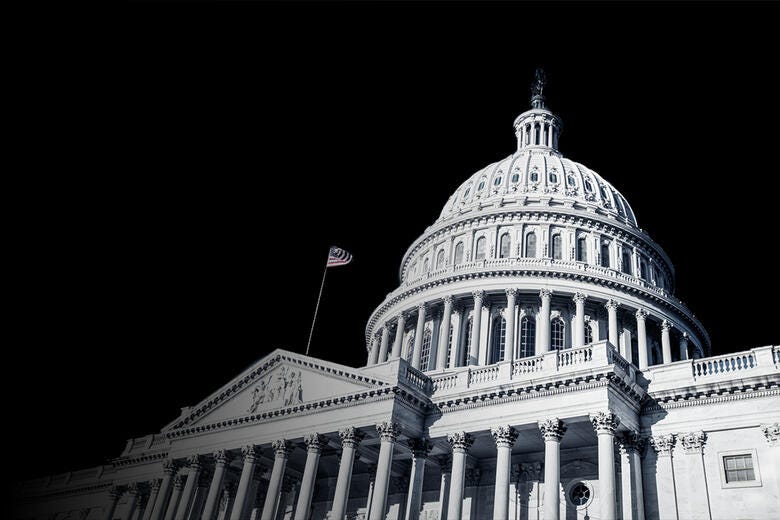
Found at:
[241, 141]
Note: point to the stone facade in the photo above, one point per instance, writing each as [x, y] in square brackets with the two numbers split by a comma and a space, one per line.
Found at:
[534, 363]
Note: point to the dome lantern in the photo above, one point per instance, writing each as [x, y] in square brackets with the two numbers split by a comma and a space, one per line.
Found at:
[538, 127]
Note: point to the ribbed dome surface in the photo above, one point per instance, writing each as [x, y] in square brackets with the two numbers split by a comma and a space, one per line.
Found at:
[539, 176]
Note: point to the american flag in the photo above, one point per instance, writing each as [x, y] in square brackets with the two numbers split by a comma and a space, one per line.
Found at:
[338, 256]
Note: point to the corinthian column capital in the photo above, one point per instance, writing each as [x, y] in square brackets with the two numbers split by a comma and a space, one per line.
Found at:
[169, 466]
[315, 442]
[511, 292]
[447, 300]
[612, 305]
[479, 295]
[641, 314]
[221, 457]
[604, 422]
[504, 436]
[664, 444]
[693, 442]
[666, 324]
[282, 447]
[552, 429]
[579, 297]
[388, 430]
[251, 453]
[545, 294]
[420, 448]
[460, 441]
[350, 437]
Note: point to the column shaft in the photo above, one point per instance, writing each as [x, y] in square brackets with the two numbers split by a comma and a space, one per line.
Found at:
[552, 431]
[164, 494]
[607, 475]
[418, 337]
[666, 345]
[132, 502]
[504, 437]
[476, 325]
[544, 322]
[151, 501]
[374, 354]
[399, 336]
[314, 444]
[641, 336]
[350, 438]
[175, 497]
[579, 320]
[251, 454]
[113, 498]
[444, 335]
[189, 488]
[215, 489]
[388, 434]
[684, 346]
[511, 316]
[444, 491]
[282, 450]
[420, 449]
[460, 442]
[636, 484]
[612, 307]
[384, 345]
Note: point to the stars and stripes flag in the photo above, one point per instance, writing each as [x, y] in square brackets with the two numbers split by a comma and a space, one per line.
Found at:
[338, 256]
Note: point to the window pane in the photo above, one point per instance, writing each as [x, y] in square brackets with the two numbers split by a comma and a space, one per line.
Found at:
[739, 468]
[480, 249]
[459, 253]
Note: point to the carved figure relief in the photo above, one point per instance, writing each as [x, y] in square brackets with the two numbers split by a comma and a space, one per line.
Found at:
[282, 388]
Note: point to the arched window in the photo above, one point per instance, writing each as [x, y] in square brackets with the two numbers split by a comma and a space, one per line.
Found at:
[516, 177]
[426, 266]
[440, 259]
[557, 247]
[527, 336]
[582, 249]
[643, 269]
[557, 329]
[571, 180]
[410, 348]
[553, 177]
[605, 254]
[534, 176]
[480, 253]
[481, 184]
[506, 244]
[466, 193]
[626, 261]
[425, 353]
[530, 245]
[464, 360]
[412, 269]
[588, 333]
[459, 253]
[497, 181]
[499, 339]
[588, 186]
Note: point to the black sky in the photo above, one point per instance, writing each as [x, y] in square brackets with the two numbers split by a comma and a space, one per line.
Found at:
[247, 139]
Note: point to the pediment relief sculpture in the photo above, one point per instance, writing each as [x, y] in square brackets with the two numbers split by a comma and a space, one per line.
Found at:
[282, 388]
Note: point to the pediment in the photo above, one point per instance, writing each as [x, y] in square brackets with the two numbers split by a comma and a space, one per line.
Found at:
[278, 381]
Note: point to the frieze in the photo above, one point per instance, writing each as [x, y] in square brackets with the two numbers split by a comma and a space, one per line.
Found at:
[281, 388]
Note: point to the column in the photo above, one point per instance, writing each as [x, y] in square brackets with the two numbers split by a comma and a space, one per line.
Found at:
[612, 307]
[550, 136]
[455, 354]
[314, 444]
[113, 498]
[698, 496]
[373, 354]
[460, 442]
[666, 345]
[666, 488]
[418, 336]
[399, 336]
[169, 469]
[178, 486]
[475, 327]
[388, 433]
[579, 319]
[188, 494]
[552, 431]
[605, 424]
[522, 136]
[251, 455]
[152, 500]
[511, 317]
[631, 473]
[641, 336]
[444, 335]
[420, 449]
[505, 437]
[132, 501]
[287, 500]
[445, 464]
[282, 449]
[684, 346]
[384, 344]
[221, 461]
[371, 481]
[350, 439]
[544, 322]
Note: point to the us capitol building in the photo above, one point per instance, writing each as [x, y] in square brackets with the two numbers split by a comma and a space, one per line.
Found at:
[534, 363]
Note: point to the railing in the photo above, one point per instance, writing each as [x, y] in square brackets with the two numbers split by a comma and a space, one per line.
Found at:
[483, 375]
[527, 365]
[724, 364]
[444, 382]
[578, 356]
[614, 357]
[416, 378]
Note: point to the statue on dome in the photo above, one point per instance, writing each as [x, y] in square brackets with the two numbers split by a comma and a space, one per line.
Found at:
[539, 81]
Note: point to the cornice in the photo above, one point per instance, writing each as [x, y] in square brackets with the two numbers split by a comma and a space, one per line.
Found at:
[655, 405]
[143, 458]
[90, 488]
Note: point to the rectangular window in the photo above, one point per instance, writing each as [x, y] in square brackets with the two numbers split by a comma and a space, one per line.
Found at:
[739, 468]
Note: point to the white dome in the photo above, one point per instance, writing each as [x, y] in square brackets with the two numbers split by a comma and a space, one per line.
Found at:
[541, 176]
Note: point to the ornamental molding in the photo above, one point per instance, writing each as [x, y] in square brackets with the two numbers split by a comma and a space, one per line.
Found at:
[351, 437]
[663, 444]
[772, 433]
[221, 457]
[262, 370]
[282, 448]
[693, 442]
[420, 448]
[315, 442]
[251, 453]
[388, 431]
[605, 422]
[460, 441]
[657, 404]
[504, 436]
[142, 458]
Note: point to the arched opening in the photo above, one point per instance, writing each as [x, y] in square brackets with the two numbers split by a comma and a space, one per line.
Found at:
[605, 253]
[440, 259]
[627, 261]
[499, 339]
[459, 253]
[588, 333]
[557, 333]
[582, 249]
[530, 245]
[425, 351]
[527, 336]
[506, 244]
[480, 253]
[426, 266]
[557, 248]
[410, 348]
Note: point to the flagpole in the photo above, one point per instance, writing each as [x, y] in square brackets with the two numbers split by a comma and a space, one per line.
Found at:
[317, 308]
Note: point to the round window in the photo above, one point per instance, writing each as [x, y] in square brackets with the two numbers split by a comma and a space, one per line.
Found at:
[580, 494]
